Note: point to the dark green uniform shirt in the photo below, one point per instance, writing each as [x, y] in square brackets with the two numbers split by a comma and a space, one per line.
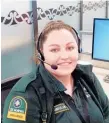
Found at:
[23, 106]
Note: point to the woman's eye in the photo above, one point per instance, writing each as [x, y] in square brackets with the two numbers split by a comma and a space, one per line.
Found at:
[54, 50]
[70, 48]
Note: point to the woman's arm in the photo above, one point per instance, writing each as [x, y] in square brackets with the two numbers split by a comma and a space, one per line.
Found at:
[103, 99]
[22, 107]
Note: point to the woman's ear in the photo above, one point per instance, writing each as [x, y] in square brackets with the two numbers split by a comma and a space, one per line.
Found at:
[41, 50]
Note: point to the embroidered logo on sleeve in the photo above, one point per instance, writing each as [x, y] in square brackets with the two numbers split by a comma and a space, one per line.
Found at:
[60, 108]
[17, 109]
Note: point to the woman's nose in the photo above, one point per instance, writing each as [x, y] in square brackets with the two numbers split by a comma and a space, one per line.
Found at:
[64, 55]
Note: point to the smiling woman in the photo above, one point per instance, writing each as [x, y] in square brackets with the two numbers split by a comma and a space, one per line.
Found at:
[66, 92]
[58, 43]
[60, 49]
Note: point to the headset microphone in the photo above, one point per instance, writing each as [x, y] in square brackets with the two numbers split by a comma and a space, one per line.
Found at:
[52, 66]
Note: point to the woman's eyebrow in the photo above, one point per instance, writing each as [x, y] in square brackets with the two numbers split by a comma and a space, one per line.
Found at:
[70, 43]
[58, 45]
[53, 45]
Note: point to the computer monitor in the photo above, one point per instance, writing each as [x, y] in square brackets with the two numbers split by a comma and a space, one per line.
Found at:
[100, 44]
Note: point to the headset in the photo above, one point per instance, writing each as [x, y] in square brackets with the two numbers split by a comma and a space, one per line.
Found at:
[40, 55]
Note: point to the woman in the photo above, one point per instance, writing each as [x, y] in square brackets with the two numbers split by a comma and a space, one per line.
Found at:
[59, 91]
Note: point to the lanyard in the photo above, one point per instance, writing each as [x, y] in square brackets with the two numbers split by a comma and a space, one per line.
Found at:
[78, 113]
[84, 103]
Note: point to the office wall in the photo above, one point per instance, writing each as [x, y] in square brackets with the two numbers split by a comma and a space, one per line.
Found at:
[17, 44]
[68, 11]
[91, 10]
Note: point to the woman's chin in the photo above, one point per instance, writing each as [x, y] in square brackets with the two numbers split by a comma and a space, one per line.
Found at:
[63, 72]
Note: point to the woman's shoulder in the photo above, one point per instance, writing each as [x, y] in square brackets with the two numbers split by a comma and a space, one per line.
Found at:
[85, 69]
[21, 97]
[22, 84]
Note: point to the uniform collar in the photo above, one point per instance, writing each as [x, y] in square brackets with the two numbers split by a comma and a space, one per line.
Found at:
[50, 81]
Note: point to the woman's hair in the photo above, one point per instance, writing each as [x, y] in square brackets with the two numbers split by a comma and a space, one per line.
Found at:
[54, 25]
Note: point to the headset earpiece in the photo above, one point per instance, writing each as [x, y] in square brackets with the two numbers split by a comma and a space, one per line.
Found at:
[38, 55]
[38, 48]
[79, 46]
[79, 41]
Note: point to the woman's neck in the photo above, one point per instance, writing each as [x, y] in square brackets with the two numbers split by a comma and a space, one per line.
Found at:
[64, 79]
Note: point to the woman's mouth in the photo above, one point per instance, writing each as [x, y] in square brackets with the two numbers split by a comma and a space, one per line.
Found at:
[64, 63]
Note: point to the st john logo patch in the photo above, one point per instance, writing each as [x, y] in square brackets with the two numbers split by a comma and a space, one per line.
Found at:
[17, 108]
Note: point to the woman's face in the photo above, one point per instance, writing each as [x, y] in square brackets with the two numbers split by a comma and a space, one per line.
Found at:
[60, 48]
